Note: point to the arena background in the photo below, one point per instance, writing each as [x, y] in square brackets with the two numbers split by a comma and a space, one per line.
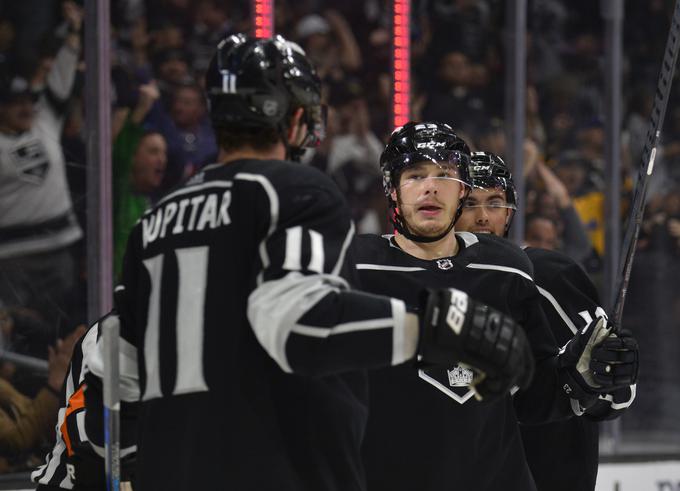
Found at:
[562, 89]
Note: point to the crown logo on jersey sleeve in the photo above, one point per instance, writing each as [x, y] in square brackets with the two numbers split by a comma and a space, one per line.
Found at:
[459, 376]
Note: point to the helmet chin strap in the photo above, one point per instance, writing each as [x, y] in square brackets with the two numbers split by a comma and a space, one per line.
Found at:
[506, 232]
[401, 227]
[293, 153]
[398, 224]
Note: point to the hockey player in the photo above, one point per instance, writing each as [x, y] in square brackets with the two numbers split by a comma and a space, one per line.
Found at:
[563, 456]
[241, 346]
[426, 431]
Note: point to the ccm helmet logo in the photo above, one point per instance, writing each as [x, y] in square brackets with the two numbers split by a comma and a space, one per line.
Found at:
[455, 317]
[430, 145]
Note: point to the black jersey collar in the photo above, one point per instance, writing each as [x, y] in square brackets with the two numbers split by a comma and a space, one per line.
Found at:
[467, 253]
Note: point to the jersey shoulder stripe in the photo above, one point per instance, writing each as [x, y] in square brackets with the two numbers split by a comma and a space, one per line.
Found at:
[498, 267]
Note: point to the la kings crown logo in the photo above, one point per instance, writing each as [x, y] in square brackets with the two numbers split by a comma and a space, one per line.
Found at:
[454, 383]
[459, 376]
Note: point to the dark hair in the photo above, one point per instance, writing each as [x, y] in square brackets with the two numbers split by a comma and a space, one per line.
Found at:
[532, 217]
[150, 132]
[146, 134]
[261, 139]
[190, 86]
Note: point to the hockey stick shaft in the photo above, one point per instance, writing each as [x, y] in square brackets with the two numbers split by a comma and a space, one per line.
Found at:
[110, 333]
[663, 90]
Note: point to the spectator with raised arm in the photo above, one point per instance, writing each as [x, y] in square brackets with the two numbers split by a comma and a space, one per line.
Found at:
[575, 242]
[139, 161]
[185, 127]
[37, 223]
[329, 42]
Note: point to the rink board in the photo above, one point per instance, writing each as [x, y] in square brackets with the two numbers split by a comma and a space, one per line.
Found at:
[639, 476]
[628, 476]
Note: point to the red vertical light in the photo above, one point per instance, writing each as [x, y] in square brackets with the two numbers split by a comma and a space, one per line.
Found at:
[401, 62]
[263, 18]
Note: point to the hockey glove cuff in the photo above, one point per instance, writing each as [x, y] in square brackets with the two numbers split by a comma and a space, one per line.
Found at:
[458, 329]
[578, 379]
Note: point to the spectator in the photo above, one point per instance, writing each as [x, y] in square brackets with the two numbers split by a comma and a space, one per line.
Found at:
[330, 44]
[170, 69]
[540, 232]
[590, 142]
[211, 24]
[37, 223]
[574, 240]
[545, 39]
[27, 419]
[456, 100]
[582, 183]
[185, 126]
[43, 15]
[162, 13]
[139, 161]
[353, 154]
[461, 25]
[660, 231]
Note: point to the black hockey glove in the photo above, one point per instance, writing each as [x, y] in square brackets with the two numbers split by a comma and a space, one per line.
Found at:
[596, 361]
[458, 329]
[614, 362]
[612, 405]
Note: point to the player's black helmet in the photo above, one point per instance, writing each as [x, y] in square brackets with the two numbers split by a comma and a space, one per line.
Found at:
[421, 142]
[418, 142]
[254, 83]
[489, 171]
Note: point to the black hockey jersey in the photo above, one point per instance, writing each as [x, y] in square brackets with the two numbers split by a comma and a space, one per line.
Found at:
[426, 431]
[240, 341]
[563, 456]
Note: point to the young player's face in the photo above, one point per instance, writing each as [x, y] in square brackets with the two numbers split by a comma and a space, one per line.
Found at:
[428, 196]
[484, 211]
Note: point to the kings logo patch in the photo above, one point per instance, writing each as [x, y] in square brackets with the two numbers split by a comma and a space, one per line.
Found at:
[453, 382]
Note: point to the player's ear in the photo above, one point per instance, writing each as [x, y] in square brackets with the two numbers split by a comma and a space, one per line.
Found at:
[297, 128]
[393, 195]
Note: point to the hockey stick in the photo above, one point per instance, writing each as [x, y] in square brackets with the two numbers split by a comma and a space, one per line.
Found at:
[663, 90]
[110, 333]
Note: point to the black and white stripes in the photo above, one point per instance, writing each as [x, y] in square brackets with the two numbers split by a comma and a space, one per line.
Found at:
[54, 472]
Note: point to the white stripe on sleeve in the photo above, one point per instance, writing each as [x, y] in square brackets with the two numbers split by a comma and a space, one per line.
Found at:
[558, 308]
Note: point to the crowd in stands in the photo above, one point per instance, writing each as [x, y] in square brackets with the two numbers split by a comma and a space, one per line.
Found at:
[161, 135]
